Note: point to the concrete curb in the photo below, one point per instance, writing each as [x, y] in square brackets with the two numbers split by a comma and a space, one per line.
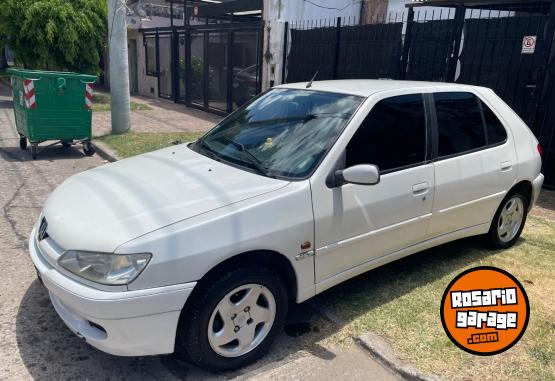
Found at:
[105, 152]
[381, 350]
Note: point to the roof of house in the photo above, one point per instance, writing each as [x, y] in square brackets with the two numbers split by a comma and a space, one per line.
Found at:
[367, 87]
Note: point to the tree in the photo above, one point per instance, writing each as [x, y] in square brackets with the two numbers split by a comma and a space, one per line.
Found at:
[56, 34]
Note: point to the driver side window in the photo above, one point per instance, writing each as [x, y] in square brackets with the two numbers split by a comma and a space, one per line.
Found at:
[392, 136]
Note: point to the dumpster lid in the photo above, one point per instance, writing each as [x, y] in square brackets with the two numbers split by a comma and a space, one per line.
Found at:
[36, 74]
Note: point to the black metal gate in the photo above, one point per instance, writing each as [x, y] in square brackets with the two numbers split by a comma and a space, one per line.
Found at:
[471, 46]
[213, 67]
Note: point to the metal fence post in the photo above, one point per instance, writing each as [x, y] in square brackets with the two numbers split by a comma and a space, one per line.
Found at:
[337, 46]
[406, 45]
[175, 64]
[284, 63]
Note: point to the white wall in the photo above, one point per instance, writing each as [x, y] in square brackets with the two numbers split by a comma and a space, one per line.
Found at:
[145, 82]
[296, 10]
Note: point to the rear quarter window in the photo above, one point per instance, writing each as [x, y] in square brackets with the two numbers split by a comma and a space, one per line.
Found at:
[495, 130]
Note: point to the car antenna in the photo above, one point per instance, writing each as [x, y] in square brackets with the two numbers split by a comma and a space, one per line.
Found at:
[309, 84]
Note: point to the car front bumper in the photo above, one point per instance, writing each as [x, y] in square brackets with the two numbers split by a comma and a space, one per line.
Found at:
[123, 323]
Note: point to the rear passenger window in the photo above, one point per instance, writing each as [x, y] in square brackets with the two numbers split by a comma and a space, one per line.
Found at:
[392, 136]
[495, 130]
[460, 127]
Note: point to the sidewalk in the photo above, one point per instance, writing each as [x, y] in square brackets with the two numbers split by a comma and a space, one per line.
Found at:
[165, 116]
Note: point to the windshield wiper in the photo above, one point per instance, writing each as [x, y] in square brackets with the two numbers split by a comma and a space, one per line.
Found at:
[261, 168]
[207, 148]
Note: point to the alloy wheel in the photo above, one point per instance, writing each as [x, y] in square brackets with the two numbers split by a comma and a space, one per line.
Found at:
[510, 219]
[241, 320]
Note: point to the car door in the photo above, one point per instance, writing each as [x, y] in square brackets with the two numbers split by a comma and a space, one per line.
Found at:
[474, 164]
[356, 225]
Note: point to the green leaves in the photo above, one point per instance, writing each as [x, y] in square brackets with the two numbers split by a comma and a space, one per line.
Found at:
[56, 34]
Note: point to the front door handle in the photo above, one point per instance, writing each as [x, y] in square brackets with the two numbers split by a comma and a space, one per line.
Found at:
[420, 189]
[506, 166]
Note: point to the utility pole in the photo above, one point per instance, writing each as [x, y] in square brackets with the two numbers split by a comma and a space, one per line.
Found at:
[119, 66]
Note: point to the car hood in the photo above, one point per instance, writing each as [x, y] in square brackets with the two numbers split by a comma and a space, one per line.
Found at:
[104, 207]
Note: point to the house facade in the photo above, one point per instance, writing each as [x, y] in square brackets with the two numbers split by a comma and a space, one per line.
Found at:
[215, 55]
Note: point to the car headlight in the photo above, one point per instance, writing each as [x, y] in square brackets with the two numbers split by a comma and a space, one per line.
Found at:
[110, 269]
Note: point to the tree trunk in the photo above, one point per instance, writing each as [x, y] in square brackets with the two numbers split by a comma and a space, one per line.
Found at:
[119, 69]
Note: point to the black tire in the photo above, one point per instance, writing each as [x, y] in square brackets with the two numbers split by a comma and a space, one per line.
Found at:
[23, 142]
[66, 144]
[195, 318]
[493, 238]
[88, 149]
[34, 147]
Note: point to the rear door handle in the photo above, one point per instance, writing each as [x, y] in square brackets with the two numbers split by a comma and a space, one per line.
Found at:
[420, 189]
[506, 166]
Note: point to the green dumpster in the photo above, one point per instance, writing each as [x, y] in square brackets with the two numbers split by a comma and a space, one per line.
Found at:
[51, 105]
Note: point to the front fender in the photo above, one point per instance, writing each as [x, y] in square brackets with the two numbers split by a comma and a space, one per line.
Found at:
[279, 221]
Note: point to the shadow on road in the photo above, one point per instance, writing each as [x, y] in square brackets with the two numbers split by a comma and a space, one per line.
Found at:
[44, 153]
[50, 350]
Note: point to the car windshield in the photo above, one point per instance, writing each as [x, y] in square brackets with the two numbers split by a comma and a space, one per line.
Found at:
[283, 133]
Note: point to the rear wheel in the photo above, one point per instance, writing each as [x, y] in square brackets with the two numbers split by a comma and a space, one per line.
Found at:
[233, 320]
[508, 221]
[23, 142]
[66, 143]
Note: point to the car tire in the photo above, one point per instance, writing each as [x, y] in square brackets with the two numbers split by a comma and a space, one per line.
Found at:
[508, 222]
[206, 317]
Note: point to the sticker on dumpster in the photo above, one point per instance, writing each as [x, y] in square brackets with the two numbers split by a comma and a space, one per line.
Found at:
[485, 311]
[529, 44]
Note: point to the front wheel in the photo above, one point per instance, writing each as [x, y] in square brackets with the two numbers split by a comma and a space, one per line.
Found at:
[23, 142]
[233, 321]
[508, 221]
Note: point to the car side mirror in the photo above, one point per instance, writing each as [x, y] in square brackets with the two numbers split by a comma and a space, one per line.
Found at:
[362, 174]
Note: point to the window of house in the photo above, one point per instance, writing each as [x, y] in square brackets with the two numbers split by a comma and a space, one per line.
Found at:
[494, 128]
[392, 136]
[459, 119]
[150, 52]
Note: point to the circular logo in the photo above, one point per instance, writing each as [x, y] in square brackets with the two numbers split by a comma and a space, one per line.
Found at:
[485, 311]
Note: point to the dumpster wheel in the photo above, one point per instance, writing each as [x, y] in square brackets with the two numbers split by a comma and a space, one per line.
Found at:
[23, 142]
[88, 149]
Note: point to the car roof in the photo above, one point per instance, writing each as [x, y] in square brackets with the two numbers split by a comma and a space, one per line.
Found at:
[367, 87]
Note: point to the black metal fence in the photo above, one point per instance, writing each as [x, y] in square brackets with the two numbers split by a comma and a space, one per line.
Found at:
[471, 46]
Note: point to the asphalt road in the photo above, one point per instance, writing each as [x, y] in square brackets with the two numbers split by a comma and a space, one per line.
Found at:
[35, 343]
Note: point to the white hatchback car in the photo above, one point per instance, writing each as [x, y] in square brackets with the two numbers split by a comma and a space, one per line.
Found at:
[201, 246]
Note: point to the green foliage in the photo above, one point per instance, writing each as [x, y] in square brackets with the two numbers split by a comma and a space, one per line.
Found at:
[55, 34]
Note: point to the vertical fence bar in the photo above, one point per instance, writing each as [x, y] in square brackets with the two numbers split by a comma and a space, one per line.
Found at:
[229, 75]
[337, 46]
[285, 42]
[406, 44]
[174, 38]
[457, 36]
[171, 13]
